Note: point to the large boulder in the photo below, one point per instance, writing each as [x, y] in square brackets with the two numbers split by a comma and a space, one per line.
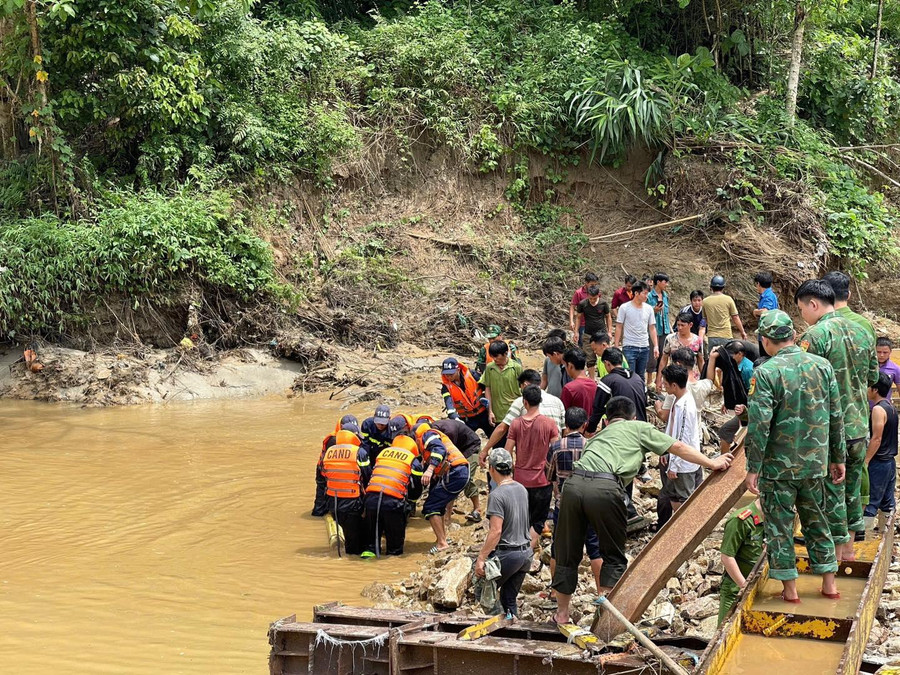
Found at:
[449, 590]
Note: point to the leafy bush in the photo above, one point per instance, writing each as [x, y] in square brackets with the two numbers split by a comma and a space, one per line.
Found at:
[139, 244]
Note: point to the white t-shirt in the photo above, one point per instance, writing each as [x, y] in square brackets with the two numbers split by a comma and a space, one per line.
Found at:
[550, 406]
[684, 426]
[635, 322]
[700, 390]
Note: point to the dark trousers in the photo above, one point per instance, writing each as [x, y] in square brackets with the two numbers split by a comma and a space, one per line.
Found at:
[882, 478]
[351, 521]
[600, 503]
[389, 523]
[629, 502]
[663, 503]
[320, 506]
[514, 565]
[480, 421]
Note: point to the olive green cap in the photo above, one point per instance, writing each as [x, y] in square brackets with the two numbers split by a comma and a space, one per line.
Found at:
[494, 330]
[775, 325]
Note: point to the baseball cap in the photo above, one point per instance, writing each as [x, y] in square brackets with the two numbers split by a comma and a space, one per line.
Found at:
[349, 419]
[398, 424]
[775, 325]
[500, 459]
[449, 366]
[382, 414]
[352, 427]
[494, 330]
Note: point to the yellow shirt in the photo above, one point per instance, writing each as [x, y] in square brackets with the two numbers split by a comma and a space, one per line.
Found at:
[718, 310]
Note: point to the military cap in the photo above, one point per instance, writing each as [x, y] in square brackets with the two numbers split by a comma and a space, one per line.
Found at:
[775, 325]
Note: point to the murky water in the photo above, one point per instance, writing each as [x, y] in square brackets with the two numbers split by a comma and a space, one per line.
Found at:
[757, 655]
[165, 539]
[812, 602]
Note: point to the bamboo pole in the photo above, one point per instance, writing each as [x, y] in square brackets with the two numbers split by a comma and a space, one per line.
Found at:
[643, 639]
[600, 237]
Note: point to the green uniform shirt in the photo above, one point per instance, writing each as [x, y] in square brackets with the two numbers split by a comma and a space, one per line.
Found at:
[851, 351]
[504, 385]
[796, 423]
[481, 361]
[743, 538]
[620, 448]
[859, 319]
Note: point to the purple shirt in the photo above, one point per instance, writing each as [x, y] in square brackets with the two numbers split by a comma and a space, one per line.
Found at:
[891, 369]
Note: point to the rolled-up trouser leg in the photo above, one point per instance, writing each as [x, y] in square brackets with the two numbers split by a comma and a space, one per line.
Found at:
[471, 488]
[778, 498]
[568, 537]
[856, 464]
[816, 536]
[836, 511]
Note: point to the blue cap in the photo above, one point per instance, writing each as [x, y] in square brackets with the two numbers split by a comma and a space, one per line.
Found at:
[398, 424]
[352, 427]
[449, 366]
[382, 414]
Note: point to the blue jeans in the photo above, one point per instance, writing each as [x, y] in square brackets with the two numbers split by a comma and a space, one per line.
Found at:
[882, 477]
[637, 358]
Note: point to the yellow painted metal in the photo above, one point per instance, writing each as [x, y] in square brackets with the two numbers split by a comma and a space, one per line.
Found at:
[772, 623]
[484, 628]
[579, 636]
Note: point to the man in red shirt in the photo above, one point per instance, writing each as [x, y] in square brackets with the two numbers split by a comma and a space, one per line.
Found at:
[580, 392]
[529, 442]
[622, 295]
[590, 279]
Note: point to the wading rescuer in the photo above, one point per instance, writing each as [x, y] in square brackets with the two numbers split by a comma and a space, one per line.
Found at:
[375, 433]
[446, 474]
[469, 444]
[463, 397]
[346, 423]
[794, 440]
[346, 469]
[595, 495]
[396, 477]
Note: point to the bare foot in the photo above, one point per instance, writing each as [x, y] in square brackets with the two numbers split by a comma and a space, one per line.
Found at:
[558, 618]
[795, 601]
[848, 554]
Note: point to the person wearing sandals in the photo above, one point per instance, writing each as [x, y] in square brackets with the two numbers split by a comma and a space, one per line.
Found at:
[469, 444]
[509, 530]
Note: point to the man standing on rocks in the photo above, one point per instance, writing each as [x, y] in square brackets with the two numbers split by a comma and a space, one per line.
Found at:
[500, 381]
[577, 325]
[636, 331]
[529, 440]
[795, 439]
[508, 538]
[463, 397]
[595, 495]
[623, 294]
[720, 312]
[595, 313]
[851, 351]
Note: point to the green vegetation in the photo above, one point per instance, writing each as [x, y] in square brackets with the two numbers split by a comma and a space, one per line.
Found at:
[126, 125]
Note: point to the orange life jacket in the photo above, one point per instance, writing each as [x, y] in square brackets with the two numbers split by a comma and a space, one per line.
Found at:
[465, 398]
[340, 467]
[453, 457]
[393, 468]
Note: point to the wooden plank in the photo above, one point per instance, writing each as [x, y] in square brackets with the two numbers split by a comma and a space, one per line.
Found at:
[673, 545]
[868, 603]
[479, 630]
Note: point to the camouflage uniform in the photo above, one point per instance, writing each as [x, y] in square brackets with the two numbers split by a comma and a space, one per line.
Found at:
[743, 541]
[796, 430]
[851, 351]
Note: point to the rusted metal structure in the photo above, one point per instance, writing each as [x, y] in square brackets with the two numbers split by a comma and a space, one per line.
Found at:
[834, 637]
[343, 640]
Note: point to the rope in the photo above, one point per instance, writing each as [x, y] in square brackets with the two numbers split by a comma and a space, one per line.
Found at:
[323, 638]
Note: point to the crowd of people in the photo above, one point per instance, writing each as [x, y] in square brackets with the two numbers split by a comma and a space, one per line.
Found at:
[563, 446]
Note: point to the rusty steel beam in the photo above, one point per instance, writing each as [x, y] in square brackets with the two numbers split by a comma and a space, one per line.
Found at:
[673, 545]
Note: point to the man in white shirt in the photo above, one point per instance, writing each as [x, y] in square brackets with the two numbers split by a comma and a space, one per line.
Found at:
[679, 477]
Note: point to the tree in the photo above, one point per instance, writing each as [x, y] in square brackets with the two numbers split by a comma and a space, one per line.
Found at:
[877, 40]
[796, 58]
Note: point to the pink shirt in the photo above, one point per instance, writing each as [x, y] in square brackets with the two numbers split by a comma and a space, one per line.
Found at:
[577, 297]
[532, 439]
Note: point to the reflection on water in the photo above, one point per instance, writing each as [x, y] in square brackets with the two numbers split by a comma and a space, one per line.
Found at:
[165, 539]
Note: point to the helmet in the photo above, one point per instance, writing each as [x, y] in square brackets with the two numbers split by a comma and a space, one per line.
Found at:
[717, 281]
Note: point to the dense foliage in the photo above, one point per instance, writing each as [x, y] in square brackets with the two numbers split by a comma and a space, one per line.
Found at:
[115, 112]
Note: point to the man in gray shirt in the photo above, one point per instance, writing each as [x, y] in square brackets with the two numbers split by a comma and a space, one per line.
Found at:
[508, 539]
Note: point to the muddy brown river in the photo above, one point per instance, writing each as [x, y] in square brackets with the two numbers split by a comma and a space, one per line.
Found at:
[165, 539]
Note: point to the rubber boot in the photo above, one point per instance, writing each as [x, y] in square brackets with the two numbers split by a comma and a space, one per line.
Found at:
[882, 519]
[870, 524]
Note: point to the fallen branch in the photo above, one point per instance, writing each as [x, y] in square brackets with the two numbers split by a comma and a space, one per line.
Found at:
[462, 246]
[874, 170]
[600, 237]
[868, 147]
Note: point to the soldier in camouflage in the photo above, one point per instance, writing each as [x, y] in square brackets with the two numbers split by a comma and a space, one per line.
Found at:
[850, 350]
[795, 438]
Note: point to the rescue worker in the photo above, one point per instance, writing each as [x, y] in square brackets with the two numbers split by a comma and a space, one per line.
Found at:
[794, 440]
[850, 350]
[375, 433]
[463, 397]
[446, 474]
[346, 468]
[494, 334]
[468, 443]
[346, 423]
[741, 548]
[396, 477]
